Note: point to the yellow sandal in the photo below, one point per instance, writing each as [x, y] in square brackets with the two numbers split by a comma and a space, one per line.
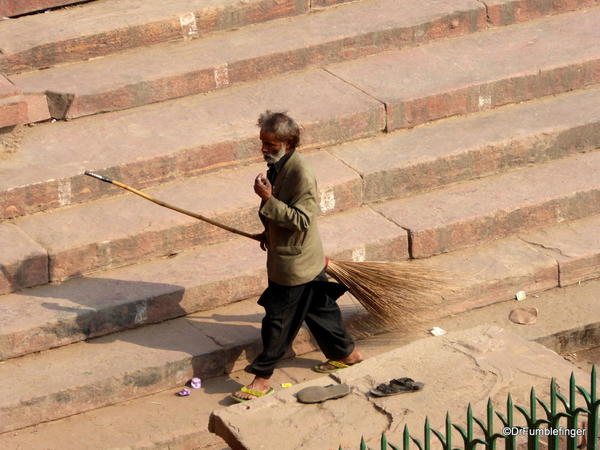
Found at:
[256, 394]
[338, 366]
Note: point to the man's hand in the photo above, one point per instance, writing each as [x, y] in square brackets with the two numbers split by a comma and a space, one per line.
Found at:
[262, 237]
[263, 187]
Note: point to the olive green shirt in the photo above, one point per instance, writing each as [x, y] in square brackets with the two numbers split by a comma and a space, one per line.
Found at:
[294, 249]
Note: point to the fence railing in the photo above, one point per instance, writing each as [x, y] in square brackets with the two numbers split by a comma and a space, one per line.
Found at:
[557, 422]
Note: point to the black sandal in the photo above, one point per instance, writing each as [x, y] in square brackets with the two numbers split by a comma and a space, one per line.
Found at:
[397, 386]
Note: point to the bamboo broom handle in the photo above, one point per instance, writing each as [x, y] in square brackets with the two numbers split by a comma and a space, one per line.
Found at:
[174, 208]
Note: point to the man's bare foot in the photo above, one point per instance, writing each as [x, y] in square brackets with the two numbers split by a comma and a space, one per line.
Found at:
[352, 358]
[258, 384]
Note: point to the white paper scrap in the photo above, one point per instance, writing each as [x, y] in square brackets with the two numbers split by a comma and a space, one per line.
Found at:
[437, 331]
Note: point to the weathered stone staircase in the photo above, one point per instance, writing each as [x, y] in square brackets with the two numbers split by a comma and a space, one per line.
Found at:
[465, 132]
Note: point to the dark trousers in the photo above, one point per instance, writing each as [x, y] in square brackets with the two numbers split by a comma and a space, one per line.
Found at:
[286, 307]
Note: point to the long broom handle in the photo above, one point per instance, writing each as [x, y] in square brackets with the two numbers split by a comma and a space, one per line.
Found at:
[174, 208]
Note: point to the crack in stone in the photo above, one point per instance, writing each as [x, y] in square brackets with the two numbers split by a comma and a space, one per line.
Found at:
[212, 338]
[387, 414]
[379, 409]
[537, 244]
[497, 371]
[485, 371]
[454, 345]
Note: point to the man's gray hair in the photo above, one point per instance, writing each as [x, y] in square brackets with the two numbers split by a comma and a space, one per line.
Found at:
[282, 126]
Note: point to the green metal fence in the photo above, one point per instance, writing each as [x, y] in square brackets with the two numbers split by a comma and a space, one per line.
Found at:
[556, 424]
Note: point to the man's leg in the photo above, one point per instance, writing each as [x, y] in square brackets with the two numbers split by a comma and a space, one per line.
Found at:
[324, 319]
[284, 314]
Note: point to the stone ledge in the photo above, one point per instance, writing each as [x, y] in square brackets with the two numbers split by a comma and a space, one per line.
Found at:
[9, 8]
[101, 28]
[479, 72]
[161, 72]
[483, 362]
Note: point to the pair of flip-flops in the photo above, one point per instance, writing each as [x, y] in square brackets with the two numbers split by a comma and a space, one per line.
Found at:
[397, 386]
[318, 394]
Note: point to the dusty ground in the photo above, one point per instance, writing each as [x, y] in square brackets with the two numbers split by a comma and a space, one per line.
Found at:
[165, 421]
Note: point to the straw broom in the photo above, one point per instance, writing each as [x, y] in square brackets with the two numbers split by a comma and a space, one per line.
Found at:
[394, 293]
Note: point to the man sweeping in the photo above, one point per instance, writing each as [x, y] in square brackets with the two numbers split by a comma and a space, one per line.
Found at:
[298, 289]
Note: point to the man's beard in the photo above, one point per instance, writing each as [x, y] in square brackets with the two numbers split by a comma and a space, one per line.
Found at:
[272, 158]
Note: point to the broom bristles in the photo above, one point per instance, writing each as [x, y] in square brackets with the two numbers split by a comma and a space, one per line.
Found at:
[396, 294]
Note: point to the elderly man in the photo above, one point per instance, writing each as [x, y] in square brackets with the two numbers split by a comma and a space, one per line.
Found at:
[298, 289]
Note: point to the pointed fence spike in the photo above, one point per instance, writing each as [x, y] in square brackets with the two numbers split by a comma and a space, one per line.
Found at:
[533, 403]
[572, 392]
[593, 418]
[470, 422]
[509, 410]
[490, 416]
[448, 432]
[593, 384]
[553, 396]
[383, 442]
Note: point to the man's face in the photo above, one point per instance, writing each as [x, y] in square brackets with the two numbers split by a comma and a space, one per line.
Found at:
[272, 149]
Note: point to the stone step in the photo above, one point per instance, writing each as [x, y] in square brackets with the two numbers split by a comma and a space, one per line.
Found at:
[13, 107]
[481, 71]
[13, 111]
[575, 245]
[23, 109]
[101, 28]
[127, 229]
[49, 316]
[94, 30]
[173, 70]
[163, 420]
[9, 8]
[102, 234]
[468, 213]
[17, 108]
[162, 142]
[168, 71]
[124, 142]
[196, 280]
[134, 363]
[407, 162]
